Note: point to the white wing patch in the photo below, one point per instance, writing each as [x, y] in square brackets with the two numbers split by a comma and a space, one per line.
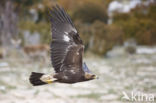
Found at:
[66, 33]
[72, 71]
[66, 38]
[74, 30]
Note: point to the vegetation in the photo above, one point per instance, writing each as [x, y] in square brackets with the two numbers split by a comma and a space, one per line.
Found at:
[88, 13]
[139, 24]
[90, 17]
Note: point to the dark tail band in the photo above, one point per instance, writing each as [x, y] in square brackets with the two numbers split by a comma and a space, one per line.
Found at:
[35, 79]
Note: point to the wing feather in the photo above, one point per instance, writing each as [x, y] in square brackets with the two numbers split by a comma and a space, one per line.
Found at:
[65, 39]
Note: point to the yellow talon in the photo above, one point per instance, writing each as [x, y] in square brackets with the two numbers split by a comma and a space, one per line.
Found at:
[49, 81]
[47, 78]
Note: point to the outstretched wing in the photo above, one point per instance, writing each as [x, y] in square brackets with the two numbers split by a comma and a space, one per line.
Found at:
[65, 40]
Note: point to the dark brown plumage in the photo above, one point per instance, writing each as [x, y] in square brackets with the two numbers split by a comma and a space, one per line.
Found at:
[66, 52]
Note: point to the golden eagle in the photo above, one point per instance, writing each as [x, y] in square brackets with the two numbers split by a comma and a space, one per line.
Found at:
[66, 53]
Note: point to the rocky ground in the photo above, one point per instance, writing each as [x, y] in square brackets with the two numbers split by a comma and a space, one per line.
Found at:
[118, 74]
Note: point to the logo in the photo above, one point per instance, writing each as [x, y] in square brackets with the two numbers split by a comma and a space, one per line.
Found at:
[138, 97]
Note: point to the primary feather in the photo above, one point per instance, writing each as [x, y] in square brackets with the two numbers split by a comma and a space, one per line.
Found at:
[65, 39]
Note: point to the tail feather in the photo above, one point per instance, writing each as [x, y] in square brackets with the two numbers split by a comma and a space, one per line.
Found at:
[35, 79]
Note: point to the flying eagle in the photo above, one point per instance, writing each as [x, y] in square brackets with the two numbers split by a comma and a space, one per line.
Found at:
[66, 53]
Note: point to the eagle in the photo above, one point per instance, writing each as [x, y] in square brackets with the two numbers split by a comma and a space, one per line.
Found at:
[67, 51]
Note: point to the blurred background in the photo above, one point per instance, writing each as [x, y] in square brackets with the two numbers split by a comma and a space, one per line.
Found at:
[120, 46]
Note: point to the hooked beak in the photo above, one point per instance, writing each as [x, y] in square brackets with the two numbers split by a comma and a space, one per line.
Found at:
[96, 77]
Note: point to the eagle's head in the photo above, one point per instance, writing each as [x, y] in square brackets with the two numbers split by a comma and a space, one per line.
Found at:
[90, 76]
